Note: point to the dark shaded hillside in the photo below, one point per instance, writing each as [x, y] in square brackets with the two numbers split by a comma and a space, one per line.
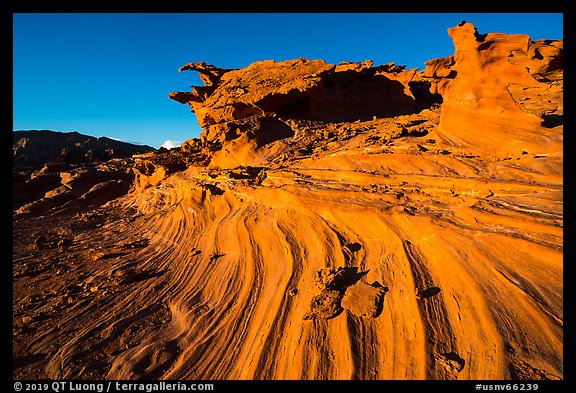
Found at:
[33, 149]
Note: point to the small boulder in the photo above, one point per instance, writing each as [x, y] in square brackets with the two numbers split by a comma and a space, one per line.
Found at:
[326, 305]
[363, 299]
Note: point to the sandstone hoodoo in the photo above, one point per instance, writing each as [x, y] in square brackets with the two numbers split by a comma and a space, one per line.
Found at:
[332, 221]
[503, 79]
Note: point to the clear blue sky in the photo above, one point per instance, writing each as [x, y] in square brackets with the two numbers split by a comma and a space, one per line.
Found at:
[110, 74]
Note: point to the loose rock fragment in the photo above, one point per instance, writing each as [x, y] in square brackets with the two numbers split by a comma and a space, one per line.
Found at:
[450, 361]
[342, 289]
[326, 305]
[363, 299]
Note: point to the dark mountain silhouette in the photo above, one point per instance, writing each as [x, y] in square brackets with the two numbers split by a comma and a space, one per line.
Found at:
[35, 148]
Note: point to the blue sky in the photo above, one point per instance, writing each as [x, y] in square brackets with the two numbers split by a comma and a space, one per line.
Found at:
[110, 74]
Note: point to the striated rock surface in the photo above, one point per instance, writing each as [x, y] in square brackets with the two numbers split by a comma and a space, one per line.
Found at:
[77, 187]
[344, 221]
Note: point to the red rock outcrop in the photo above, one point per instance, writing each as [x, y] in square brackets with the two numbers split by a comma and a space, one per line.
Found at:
[264, 86]
[298, 89]
[243, 110]
[438, 73]
[493, 73]
[74, 188]
[331, 222]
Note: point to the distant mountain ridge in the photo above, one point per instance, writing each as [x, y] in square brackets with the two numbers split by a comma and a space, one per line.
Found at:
[35, 148]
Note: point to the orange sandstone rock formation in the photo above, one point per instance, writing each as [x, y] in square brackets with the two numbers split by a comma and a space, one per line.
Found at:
[341, 221]
[494, 73]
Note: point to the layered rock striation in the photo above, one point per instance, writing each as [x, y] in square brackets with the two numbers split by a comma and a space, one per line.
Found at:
[344, 221]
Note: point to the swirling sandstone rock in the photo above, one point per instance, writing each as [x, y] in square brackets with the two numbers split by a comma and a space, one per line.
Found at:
[323, 226]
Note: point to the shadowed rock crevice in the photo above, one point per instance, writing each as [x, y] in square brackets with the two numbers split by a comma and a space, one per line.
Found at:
[262, 129]
[423, 96]
[351, 96]
[552, 120]
[27, 360]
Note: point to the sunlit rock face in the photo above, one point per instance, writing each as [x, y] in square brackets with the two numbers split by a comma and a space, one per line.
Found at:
[344, 221]
[507, 93]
